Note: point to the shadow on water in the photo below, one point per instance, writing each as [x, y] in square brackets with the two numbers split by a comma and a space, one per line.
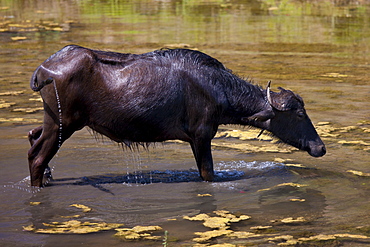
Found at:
[172, 176]
[319, 49]
[143, 177]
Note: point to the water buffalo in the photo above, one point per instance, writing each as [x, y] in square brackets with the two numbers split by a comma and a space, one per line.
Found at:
[161, 95]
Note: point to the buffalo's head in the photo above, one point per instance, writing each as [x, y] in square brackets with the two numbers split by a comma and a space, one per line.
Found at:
[286, 118]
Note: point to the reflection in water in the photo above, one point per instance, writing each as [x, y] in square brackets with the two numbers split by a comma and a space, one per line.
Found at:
[319, 49]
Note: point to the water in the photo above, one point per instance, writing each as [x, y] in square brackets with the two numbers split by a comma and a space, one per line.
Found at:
[319, 50]
[60, 115]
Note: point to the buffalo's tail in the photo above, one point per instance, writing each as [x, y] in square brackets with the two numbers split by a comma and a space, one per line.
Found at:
[36, 84]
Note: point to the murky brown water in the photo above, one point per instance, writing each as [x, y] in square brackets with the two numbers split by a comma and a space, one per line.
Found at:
[319, 50]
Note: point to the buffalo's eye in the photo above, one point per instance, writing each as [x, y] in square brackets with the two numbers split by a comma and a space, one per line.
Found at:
[301, 115]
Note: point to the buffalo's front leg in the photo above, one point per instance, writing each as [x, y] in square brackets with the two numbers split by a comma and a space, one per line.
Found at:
[203, 156]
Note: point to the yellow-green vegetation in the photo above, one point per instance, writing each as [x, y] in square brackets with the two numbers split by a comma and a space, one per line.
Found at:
[327, 131]
[290, 220]
[33, 26]
[269, 145]
[298, 8]
[72, 226]
[220, 226]
[138, 232]
[11, 93]
[282, 185]
[84, 208]
[222, 220]
[28, 109]
[79, 227]
[35, 203]
[359, 173]
[203, 195]
[4, 104]
[220, 223]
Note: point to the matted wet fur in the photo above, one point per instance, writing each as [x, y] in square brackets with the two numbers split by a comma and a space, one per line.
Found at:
[161, 95]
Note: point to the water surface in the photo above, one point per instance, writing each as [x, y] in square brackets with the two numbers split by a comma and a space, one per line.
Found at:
[319, 50]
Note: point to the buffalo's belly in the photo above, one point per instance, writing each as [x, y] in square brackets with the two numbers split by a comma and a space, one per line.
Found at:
[140, 133]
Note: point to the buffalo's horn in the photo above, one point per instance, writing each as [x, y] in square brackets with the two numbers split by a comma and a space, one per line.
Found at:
[268, 92]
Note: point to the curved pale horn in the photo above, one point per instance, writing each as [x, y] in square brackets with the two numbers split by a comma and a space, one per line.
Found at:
[268, 92]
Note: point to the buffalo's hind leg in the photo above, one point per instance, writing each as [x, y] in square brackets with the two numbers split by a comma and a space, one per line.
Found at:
[34, 134]
[45, 142]
[41, 152]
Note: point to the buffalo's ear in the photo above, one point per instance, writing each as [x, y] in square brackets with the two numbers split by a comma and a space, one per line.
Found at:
[261, 116]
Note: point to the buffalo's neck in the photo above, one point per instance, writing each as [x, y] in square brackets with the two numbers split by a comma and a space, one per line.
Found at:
[243, 101]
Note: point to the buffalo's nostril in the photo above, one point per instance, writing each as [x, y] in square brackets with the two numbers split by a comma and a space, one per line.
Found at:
[323, 150]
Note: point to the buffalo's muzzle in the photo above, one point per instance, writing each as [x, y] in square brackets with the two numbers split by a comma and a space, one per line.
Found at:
[317, 150]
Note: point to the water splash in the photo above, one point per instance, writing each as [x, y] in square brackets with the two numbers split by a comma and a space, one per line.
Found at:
[23, 185]
[48, 171]
[59, 115]
[241, 164]
[134, 167]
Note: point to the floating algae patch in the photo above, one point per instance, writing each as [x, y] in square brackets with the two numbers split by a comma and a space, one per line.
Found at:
[288, 240]
[359, 173]
[362, 143]
[28, 26]
[72, 227]
[138, 232]
[223, 219]
[4, 104]
[260, 227]
[219, 223]
[35, 203]
[11, 93]
[334, 75]
[28, 109]
[326, 130]
[84, 208]
[206, 236]
[241, 234]
[232, 218]
[233, 238]
[323, 237]
[20, 120]
[282, 185]
[291, 220]
[251, 134]
[17, 38]
[270, 144]
[211, 222]
[297, 200]
[281, 160]
[287, 162]
[37, 99]
[204, 195]
[283, 240]
[245, 147]
[71, 216]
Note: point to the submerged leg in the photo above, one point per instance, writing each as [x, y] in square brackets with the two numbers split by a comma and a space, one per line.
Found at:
[41, 152]
[203, 156]
[45, 142]
[33, 136]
